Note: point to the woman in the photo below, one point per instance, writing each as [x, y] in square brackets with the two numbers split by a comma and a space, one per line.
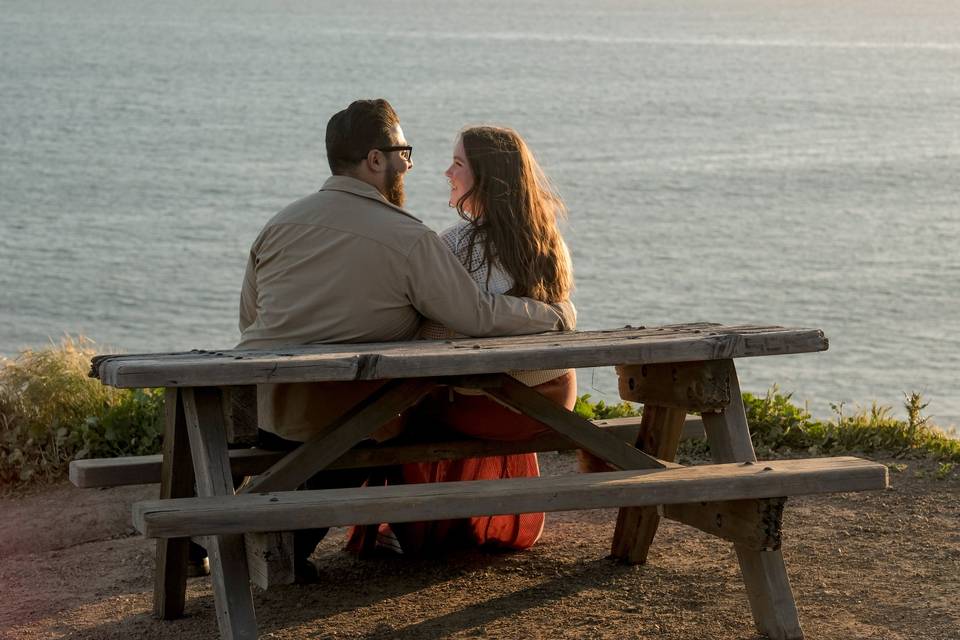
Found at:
[510, 243]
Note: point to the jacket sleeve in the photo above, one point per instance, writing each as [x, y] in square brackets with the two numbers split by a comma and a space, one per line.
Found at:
[248, 294]
[440, 288]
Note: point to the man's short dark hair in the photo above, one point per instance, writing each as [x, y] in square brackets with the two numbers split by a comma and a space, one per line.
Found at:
[351, 133]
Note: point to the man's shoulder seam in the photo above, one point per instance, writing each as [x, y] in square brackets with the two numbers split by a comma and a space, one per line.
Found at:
[425, 231]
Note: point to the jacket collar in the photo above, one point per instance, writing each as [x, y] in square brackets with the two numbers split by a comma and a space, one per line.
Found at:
[355, 187]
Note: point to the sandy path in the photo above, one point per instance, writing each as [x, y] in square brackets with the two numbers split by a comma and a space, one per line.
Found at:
[874, 565]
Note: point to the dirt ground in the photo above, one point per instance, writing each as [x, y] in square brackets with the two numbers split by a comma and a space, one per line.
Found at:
[871, 565]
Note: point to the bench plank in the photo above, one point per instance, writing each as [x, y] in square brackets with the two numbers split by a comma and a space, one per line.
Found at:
[407, 503]
[312, 363]
[110, 472]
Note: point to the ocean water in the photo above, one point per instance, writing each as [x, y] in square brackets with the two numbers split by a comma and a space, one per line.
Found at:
[737, 162]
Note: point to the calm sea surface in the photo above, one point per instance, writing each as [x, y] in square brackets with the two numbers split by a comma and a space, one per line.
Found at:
[738, 162]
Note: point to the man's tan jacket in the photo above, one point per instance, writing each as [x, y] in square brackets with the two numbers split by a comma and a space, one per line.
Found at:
[345, 265]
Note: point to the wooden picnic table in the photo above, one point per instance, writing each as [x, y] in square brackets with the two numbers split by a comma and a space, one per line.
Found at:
[670, 369]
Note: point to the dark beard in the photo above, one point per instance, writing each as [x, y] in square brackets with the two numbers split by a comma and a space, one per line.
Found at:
[395, 194]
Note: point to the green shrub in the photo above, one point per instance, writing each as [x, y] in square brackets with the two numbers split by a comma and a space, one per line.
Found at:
[602, 411]
[131, 427]
[779, 427]
[777, 424]
[51, 412]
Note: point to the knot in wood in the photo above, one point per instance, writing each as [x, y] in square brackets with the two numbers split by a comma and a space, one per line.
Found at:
[367, 364]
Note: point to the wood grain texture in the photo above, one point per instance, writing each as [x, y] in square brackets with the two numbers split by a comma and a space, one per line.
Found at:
[341, 435]
[112, 472]
[764, 572]
[771, 597]
[203, 409]
[757, 525]
[405, 503]
[673, 343]
[176, 481]
[240, 413]
[691, 386]
[270, 558]
[636, 526]
[208, 444]
[575, 428]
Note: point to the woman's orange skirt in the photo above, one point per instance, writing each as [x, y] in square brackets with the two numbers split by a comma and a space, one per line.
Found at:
[480, 417]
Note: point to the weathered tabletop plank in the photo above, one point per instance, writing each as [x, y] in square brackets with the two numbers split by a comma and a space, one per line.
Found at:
[672, 343]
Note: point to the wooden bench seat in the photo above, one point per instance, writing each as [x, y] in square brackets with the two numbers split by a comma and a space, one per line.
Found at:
[110, 472]
[290, 510]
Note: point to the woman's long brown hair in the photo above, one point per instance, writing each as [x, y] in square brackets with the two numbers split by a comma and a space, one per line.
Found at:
[514, 214]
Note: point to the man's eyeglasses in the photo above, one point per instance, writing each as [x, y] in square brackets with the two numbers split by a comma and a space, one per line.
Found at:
[406, 151]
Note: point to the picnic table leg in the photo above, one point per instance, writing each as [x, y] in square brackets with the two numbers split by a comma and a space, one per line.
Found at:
[660, 430]
[764, 573]
[228, 561]
[176, 481]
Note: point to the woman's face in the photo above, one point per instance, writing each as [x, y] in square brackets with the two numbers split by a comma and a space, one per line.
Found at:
[459, 176]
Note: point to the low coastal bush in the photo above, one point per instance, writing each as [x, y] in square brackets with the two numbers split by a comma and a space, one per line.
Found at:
[779, 427]
[51, 412]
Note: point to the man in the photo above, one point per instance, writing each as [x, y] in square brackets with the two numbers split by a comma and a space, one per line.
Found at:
[348, 264]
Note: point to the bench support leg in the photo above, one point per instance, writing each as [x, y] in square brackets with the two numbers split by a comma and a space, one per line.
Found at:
[660, 431]
[270, 558]
[176, 481]
[764, 573]
[228, 561]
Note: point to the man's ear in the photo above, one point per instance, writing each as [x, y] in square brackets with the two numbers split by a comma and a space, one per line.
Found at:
[375, 161]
